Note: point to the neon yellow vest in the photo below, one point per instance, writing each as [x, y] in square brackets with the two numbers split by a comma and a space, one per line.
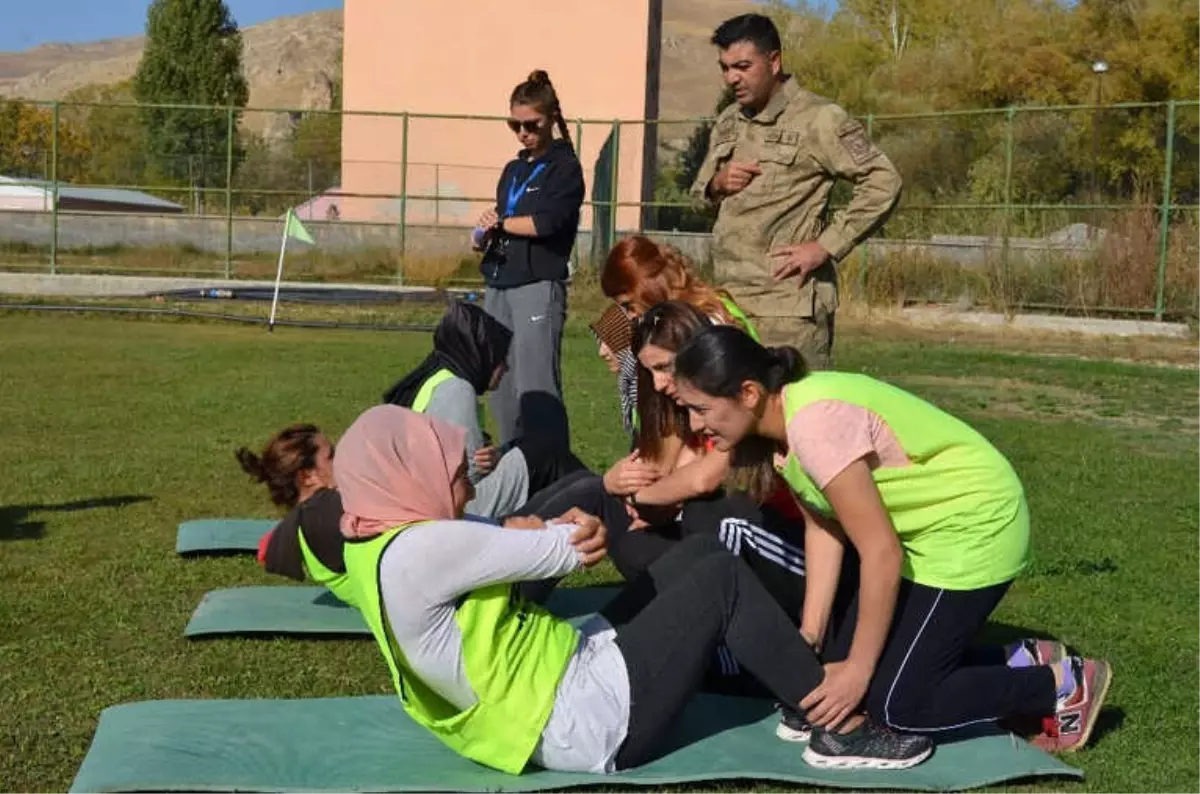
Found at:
[338, 583]
[425, 393]
[514, 654]
[959, 509]
[736, 312]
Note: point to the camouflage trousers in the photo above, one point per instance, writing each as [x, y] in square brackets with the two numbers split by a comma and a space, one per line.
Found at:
[785, 314]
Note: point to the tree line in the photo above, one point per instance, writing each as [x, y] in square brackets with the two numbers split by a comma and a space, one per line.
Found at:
[877, 58]
[119, 134]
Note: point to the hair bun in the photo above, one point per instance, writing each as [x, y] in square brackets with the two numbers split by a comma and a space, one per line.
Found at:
[251, 464]
[538, 77]
[788, 364]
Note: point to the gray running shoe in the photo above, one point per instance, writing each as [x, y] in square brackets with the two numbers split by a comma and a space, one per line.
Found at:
[869, 746]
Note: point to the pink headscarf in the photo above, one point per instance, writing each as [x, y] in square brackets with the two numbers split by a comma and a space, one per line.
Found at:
[393, 467]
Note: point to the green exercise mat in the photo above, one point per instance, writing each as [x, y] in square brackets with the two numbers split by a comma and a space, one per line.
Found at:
[221, 534]
[224, 535]
[314, 610]
[368, 744]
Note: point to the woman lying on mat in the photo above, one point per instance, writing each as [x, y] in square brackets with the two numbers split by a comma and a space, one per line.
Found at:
[505, 683]
[470, 349]
[297, 467]
[939, 521]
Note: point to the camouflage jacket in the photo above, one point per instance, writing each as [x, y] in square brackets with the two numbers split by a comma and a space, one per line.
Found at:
[803, 143]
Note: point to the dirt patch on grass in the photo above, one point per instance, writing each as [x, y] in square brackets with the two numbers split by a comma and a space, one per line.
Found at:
[1011, 397]
[887, 326]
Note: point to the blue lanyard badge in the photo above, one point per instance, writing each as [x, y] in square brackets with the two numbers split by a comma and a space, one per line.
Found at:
[515, 191]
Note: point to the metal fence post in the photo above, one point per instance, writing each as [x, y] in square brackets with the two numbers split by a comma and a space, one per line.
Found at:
[403, 197]
[1164, 228]
[229, 192]
[54, 191]
[864, 258]
[1009, 115]
[579, 153]
[611, 235]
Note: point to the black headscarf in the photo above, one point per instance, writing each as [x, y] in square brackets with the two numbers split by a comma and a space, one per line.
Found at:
[469, 342]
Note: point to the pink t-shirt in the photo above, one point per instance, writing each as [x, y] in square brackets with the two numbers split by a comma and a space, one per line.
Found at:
[826, 436]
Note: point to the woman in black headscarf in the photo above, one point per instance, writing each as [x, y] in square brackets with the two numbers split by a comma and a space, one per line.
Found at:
[470, 350]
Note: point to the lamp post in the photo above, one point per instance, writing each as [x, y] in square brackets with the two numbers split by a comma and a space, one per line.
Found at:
[1099, 69]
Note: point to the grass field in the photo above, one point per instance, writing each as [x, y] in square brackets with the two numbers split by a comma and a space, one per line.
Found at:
[115, 430]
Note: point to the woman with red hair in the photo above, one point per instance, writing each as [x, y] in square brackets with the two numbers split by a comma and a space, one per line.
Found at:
[640, 274]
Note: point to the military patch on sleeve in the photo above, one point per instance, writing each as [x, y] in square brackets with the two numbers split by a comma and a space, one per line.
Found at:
[856, 143]
[725, 130]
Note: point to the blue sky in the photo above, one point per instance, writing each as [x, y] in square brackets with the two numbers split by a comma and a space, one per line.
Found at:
[27, 24]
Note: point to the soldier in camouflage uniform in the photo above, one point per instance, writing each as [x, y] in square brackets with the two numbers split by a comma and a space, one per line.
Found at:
[773, 158]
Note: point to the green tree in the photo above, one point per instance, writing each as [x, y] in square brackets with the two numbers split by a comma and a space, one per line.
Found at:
[674, 182]
[27, 143]
[316, 144]
[109, 124]
[193, 56]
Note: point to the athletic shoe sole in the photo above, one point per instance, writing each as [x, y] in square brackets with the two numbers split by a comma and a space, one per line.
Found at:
[819, 761]
[1097, 695]
[791, 734]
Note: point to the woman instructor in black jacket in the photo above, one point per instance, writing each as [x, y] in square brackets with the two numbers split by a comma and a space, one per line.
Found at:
[526, 242]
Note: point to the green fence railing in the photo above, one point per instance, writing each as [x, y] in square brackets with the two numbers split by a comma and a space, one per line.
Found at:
[983, 186]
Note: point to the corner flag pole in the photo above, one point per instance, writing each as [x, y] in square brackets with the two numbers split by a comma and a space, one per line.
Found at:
[279, 272]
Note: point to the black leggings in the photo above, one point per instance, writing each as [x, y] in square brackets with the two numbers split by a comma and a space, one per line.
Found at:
[928, 679]
[672, 618]
[631, 551]
[547, 463]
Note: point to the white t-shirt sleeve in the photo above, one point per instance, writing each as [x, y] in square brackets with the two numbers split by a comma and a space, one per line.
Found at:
[443, 560]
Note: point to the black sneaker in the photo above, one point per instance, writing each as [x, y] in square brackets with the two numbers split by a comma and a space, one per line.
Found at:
[868, 746]
[793, 726]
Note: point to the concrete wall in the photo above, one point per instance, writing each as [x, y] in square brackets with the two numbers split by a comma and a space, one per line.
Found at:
[464, 57]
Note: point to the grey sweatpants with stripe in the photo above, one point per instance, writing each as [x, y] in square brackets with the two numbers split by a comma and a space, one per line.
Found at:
[529, 401]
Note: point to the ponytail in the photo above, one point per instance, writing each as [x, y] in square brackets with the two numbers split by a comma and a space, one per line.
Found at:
[251, 464]
[785, 365]
[538, 92]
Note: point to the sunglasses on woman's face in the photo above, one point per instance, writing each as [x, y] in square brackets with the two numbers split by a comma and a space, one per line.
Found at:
[516, 125]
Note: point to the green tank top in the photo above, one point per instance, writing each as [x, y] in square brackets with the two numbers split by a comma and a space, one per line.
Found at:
[514, 654]
[338, 583]
[736, 312]
[958, 508]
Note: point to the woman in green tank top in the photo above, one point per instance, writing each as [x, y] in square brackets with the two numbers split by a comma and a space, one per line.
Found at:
[939, 522]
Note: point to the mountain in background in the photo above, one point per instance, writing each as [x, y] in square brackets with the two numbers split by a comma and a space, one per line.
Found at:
[292, 62]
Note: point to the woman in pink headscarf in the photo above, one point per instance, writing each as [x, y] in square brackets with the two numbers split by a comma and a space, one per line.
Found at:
[502, 681]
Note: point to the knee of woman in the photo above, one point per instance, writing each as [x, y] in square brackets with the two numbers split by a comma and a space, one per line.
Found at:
[717, 571]
[899, 710]
[706, 543]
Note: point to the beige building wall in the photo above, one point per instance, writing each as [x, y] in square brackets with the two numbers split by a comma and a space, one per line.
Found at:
[464, 57]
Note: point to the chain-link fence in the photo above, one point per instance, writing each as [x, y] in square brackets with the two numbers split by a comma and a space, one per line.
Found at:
[1088, 208]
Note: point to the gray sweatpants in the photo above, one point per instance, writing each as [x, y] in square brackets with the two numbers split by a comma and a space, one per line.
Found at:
[529, 401]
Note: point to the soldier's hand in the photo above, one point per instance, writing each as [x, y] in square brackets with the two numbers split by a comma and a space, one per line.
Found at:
[735, 176]
[797, 260]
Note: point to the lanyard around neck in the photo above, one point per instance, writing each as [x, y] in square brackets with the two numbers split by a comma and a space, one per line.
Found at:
[515, 191]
